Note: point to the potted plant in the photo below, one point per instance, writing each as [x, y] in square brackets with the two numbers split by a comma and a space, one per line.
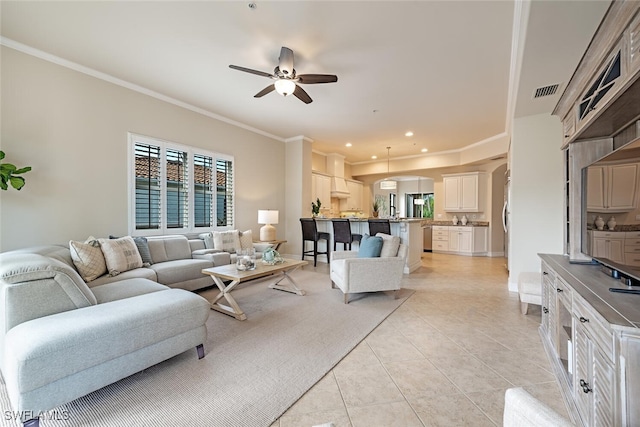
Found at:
[375, 209]
[315, 208]
[8, 174]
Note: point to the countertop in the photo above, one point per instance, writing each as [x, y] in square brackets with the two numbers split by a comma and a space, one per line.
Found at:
[423, 222]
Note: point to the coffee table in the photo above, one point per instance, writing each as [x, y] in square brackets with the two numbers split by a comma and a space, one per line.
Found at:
[282, 271]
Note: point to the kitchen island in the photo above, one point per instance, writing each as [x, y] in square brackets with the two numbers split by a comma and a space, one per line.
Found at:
[408, 229]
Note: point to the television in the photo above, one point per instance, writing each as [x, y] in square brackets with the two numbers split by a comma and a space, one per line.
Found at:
[610, 205]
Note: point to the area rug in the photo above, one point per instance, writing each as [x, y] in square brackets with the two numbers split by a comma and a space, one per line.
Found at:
[253, 371]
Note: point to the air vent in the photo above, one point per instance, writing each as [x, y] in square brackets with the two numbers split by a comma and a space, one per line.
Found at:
[546, 91]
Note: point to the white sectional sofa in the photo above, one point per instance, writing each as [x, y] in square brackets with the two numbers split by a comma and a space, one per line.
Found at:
[62, 337]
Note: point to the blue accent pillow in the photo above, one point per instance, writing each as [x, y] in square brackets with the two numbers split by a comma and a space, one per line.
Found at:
[370, 247]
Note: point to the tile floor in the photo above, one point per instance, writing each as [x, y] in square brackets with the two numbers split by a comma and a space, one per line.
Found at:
[444, 358]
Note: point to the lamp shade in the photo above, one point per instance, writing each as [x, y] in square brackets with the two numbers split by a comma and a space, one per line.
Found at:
[267, 217]
[285, 86]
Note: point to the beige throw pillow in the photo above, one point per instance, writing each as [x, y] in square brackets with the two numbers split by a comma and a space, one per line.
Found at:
[120, 255]
[246, 239]
[88, 258]
[390, 245]
[227, 241]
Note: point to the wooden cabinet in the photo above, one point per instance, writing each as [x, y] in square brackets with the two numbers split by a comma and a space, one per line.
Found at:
[608, 244]
[440, 238]
[632, 248]
[612, 188]
[354, 201]
[592, 339]
[462, 192]
[460, 240]
[321, 189]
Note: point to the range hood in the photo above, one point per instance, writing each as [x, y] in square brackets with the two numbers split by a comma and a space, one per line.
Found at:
[335, 168]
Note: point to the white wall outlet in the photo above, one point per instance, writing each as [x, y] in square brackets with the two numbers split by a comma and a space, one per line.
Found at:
[439, 215]
[481, 216]
[637, 217]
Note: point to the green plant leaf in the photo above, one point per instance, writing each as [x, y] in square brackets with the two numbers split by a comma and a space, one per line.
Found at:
[17, 182]
[3, 183]
[23, 170]
[1, 154]
[7, 168]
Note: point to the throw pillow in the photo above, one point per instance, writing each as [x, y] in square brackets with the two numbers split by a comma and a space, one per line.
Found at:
[88, 258]
[246, 239]
[370, 247]
[208, 240]
[120, 255]
[143, 249]
[390, 245]
[227, 241]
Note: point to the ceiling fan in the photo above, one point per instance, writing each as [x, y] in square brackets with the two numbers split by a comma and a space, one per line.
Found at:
[286, 79]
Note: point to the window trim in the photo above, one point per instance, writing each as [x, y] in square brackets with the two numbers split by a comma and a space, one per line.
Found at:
[134, 139]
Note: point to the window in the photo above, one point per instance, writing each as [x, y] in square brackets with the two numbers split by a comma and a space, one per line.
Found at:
[173, 188]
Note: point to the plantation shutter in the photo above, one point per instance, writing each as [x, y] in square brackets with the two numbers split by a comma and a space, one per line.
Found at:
[147, 186]
[177, 170]
[203, 190]
[224, 192]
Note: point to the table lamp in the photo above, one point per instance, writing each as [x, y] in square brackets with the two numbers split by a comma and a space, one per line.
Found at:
[268, 231]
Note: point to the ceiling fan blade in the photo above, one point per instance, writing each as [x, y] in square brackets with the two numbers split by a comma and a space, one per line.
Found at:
[286, 61]
[249, 70]
[265, 91]
[317, 78]
[302, 95]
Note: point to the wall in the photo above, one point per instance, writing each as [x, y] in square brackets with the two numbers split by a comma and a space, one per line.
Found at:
[72, 129]
[536, 199]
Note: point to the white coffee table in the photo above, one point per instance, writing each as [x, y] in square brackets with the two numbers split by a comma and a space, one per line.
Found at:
[281, 271]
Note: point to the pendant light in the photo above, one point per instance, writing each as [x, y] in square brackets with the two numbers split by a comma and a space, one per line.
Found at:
[418, 200]
[388, 184]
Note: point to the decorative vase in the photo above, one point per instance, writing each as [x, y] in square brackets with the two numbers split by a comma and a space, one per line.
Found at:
[599, 223]
[375, 214]
[611, 224]
[455, 220]
[464, 220]
[246, 259]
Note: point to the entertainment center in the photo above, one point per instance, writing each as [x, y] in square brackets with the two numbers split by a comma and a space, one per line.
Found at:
[592, 334]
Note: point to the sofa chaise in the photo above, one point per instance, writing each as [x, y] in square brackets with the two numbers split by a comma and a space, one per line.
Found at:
[62, 338]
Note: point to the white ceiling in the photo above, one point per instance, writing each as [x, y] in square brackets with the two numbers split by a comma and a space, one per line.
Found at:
[438, 68]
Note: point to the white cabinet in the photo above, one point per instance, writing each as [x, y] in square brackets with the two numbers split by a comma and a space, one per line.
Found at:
[321, 189]
[354, 201]
[463, 192]
[440, 238]
[632, 248]
[460, 240]
[608, 244]
[612, 188]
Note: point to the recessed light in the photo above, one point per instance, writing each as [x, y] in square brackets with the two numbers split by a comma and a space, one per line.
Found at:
[408, 133]
[424, 150]
[374, 157]
[348, 144]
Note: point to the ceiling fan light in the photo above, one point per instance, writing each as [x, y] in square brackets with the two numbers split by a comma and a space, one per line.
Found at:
[285, 86]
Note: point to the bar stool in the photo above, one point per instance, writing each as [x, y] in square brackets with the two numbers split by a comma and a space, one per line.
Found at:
[310, 233]
[379, 226]
[342, 234]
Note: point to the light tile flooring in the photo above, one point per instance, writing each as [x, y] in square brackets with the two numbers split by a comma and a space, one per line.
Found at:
[444, 358]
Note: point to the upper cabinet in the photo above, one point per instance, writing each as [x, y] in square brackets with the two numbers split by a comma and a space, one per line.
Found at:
[612, 188]
[462, 192]
[598, 99]
[321, 189]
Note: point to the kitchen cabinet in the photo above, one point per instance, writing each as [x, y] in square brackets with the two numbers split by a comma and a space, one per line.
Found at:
[321, 189]
[440, 238]
[612, 188]
[460, 240]
[608, 244]
[463, 192]
[632, 248]
[592, 339]
[354, 201]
